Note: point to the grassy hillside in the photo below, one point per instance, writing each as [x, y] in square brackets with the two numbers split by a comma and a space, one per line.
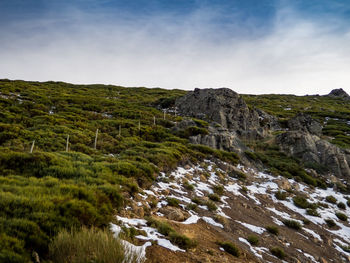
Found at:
[50, 189]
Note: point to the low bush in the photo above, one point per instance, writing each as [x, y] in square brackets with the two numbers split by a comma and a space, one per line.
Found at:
[229, 248]
[188, 186]
[331, 199]
[342, 216]
[173, 201]
[218, 189]
[281, 195]
[278, 252]
[182, 241]
[312, 212]
[211, 206]
[272, 229]
[253, 240]
[330, 222]
[214, 197]
[341, 205]
[292, 224]
[302, 202]
[197, 200]
[192, 206]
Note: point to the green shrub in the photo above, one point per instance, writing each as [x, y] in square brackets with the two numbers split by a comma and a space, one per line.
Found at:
[342, 216]
[281, 195]
[272, 229]
[173, 201]
[192, 206]
[182, 241]
[278, 252]
[211, 206]
[330, 222]
[188, 186]
[196, 200]
[331, 199]
[163, 227]
[312, 212]
[214, 197]
[253, 240]
[341, 205]
[292, 224]
[229, 248]
[218, 189]
[301, 202]
[88, 245]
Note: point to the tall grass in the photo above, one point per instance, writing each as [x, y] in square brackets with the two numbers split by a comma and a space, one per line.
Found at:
[88, 245]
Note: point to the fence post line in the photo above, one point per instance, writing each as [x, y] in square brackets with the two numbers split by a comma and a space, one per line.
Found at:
[154, 120]
[67, 143]
[32, 147]
[95, 144]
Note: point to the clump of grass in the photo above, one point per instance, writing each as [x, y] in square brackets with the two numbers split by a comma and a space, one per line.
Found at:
[348, 202]
[229, 248]
[253, 240]
[173, 201]
[341, 205]
[182, 241]
[330, 223]
[211, 206]
[218, 189]
[244, 189]
[312, 212]
[88, 245]
[278, 252]
[192, 206]
[214, 197]
[331, 199]
[281, 195]
[272, 230]
[302, 202]
[188, 186]
[197, 200]
[342, 216]
[292, 224]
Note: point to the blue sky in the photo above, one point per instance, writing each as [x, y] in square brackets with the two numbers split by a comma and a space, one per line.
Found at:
[251, 46]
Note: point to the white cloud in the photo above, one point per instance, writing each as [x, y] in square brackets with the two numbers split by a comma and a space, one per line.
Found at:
[296, 55]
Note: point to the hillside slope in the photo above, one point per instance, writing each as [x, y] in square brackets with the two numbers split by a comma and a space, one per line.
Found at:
[129, 160]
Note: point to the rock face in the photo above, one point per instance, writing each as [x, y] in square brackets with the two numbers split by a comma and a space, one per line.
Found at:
[304, 122]
[339, 93]
[311, 148]
[226, 108]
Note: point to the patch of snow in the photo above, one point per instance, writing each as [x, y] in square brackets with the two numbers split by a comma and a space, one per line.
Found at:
[255, 252]
[211, 221]
[256, 229]
[315, 235]
[193, 219]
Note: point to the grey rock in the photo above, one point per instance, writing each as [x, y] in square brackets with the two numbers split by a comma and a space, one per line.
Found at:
[339, 93]
[226, 108]
[310, 148]
[304, 122]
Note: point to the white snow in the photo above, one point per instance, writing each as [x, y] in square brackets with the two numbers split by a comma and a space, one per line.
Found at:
[211, 221]
[315, 235]
[256, 229]
[193, 219]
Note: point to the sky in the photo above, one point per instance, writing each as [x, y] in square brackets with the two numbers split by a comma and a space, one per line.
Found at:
[251, 46]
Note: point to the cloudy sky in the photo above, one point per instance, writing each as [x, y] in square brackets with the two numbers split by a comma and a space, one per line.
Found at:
[251, 46]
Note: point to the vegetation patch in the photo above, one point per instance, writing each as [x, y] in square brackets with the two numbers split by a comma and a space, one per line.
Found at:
[342, 216]
[292, 224]
[272, 230]
[229, 248]
[278, 252]
[253, 240]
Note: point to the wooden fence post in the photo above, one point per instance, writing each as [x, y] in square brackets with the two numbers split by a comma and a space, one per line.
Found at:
[32, 148]
[67, 143]
[95, 144]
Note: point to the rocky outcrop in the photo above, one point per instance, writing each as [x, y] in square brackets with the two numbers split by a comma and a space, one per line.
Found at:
[220, 138]
[339, 93]
[226, 108]
[304, 122]
[310, 148]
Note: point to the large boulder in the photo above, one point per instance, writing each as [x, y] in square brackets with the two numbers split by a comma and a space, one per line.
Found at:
[304, 122]
[311, 149]
[339, 93]
[226, 108]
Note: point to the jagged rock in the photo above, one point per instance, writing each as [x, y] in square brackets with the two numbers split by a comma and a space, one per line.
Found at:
[339, 93]
[304, 122]
[312, 149]
[173, 213]
[226, 108]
